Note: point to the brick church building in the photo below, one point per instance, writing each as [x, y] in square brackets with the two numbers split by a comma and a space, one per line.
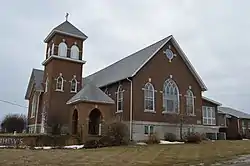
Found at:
[148, 90]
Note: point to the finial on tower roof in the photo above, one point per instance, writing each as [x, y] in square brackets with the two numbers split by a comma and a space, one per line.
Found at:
[67, 15]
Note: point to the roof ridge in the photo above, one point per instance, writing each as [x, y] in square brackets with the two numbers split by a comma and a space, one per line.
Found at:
[128, 56]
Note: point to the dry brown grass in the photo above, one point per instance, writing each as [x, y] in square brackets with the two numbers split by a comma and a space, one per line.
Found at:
[157, 155]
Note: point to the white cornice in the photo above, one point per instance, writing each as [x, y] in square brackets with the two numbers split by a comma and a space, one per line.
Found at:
[62, 58]
[64, 33]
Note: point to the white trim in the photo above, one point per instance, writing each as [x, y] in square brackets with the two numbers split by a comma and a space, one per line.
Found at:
[62, 86]
[76, 86]
[122, 101]
[137, 70]
[46, 85]
[65, 33]
[151, 99]
[62, 58]
[33, 105]
[212, 101]
[87, 100]
[189, 64]
[208, 110]
[150, 111]
[169, 80]
[131, 110]
[37, 109]
[182, 54]
[193, 103]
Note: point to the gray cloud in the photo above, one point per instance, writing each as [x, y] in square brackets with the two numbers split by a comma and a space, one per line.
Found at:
[214, 35]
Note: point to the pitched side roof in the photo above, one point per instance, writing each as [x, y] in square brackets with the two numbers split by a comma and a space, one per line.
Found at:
[212, 101]
[91, 93]
[66, 28]
[36, 79]
[234, 112]
[129, 66]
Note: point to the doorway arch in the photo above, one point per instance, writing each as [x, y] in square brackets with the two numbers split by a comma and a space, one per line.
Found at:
[95, 118]
[75, 122]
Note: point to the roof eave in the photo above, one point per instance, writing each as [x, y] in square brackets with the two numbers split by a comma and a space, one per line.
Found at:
[62, 58]
[151, 56]
[81, 100]
[46, 40]
[198, 78]
[212, 101]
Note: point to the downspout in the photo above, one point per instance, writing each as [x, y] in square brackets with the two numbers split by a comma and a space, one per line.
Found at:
[131, 109]
[37, 108]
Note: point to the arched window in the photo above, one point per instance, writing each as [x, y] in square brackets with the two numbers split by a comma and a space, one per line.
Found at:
[149, 101]
[59, 83]
[62, 49]
[34, 106]
[170, 96]
[46, 85]
[74, 52]
[119, 99]
[53, 49]
[189, 102]
[48, 52]
[73, 85]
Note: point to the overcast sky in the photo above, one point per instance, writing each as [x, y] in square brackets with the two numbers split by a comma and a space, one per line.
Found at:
[213, 34]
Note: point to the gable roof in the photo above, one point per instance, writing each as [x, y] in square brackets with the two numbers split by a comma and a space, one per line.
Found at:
[36, 79]
[129, 66]
[91, 93]
[68, 29]
[212, 101]
[234, 112]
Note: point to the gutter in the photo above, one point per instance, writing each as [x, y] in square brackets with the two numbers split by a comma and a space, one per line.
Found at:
[37, 108]
[131, 109]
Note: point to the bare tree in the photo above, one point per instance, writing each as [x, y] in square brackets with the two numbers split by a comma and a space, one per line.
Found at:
[14, 122]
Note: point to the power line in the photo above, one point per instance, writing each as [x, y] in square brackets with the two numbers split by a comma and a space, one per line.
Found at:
[12, 103]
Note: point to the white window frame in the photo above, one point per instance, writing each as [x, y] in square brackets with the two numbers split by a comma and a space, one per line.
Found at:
[119, 99]
[75, 88]
[168, 85]
[48, 52]
[149, 96]
[62, 49]
[208, 111]
[46, 85]
[74, 52]
[52, 49]
[33, 105]
[57, 83]
[190, 96]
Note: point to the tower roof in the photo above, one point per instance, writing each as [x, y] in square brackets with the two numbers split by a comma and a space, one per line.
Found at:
[66, 28]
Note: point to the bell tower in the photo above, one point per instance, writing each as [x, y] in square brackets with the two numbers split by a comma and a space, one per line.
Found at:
[62, 71]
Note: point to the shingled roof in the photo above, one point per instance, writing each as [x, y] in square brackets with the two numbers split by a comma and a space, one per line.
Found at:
[234, 112]
[130, 65]
[91, 93]
[36, 79]
[68, 29]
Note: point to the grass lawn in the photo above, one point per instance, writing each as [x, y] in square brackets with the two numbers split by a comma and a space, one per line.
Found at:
[155, 155]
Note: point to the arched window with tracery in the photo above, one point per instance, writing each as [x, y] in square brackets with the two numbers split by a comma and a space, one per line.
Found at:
[119, 99]
[170, 96]
[190, 102]
[149, 97]
[59, 83]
